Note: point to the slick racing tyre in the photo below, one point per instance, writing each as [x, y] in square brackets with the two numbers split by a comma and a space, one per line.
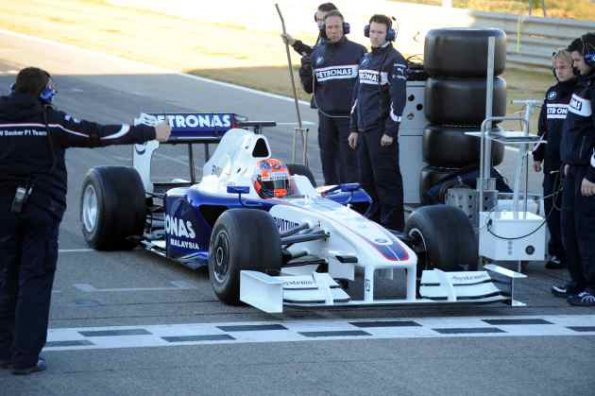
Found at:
[450, 147]
[443, 238]
[297, 169]
[462, 101]
[242, 239]
[112, 207]
[431, 176]
[462, 52]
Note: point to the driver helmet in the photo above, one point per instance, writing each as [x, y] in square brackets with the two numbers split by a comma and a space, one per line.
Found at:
[271, 178]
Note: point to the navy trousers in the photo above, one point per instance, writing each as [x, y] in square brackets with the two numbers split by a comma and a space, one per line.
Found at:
[553, 204]
[380, 176]
[339, 161]
[28, 256]
[578, 230]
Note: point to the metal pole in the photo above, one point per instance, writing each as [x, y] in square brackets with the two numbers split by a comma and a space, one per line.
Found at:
[300, 127]
[485, 143]
[489, 104]
[191, 161]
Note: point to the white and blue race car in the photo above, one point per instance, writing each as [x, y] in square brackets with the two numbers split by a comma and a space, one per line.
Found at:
[270, 238]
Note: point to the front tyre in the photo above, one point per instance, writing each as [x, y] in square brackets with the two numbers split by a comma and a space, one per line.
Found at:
[443, 238]
[242, 239]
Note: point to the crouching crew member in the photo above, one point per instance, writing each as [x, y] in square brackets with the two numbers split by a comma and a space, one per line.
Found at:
[578, 195]
[551, 120]
[379, 99]
[331, 76]
[33, 140]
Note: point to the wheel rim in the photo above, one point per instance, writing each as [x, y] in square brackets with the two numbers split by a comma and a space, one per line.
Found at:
[221, 267]
[418, 243]
[90, 208]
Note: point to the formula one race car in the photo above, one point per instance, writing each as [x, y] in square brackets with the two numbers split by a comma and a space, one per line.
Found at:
[270, 238]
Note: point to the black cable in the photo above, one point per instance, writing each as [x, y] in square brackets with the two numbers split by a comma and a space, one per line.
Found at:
[489, 222]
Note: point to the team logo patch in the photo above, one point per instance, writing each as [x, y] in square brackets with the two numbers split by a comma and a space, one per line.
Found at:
[552, 95]
[68, 117]
[319, 60]
[365, 61]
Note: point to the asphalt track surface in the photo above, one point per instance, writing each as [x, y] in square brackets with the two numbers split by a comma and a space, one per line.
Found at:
[131, 323]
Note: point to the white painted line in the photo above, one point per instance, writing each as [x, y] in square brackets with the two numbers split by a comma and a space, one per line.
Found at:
[295, 123]
[155, 68]
[63, 251]
[309, 330]
[176, 285]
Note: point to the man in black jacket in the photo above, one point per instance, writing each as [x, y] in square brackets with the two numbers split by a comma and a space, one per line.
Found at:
[331, 78]
[578, 195]
[379, 100]
[319, 15]
[33, 182]
[551, 120]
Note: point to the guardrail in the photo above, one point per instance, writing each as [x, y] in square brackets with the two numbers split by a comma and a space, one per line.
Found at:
[532, 40]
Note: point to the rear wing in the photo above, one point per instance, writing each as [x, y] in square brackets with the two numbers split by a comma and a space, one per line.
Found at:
[189, 129]
[193, 127]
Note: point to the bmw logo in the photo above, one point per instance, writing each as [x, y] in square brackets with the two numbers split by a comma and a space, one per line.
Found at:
[552, 95]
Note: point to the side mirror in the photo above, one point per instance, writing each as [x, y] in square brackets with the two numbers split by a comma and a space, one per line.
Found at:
[238, 190]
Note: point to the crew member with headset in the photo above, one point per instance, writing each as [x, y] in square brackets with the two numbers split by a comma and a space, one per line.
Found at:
[319, 15]
[379, 100]
[551, 120]
[578, 194]
[331, 75]
[33, 182]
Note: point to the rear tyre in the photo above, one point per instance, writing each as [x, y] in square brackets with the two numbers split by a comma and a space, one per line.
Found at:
[431, 176]
[297, 169]
[450, 147]
[112, 207]
[236, 246]
[443, 238]
[462, 101]
[462, 52]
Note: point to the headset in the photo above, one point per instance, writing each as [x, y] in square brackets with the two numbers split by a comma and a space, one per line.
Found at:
[391, 34]
[346, 27]
[588, 50]
[47, 93]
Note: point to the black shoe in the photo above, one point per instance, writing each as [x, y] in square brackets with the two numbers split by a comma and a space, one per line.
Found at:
[40, 366]
[583, 299]
[555, 263]
[567, 290]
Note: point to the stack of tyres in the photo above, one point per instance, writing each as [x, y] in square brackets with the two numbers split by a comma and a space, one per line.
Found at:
[455, 100]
